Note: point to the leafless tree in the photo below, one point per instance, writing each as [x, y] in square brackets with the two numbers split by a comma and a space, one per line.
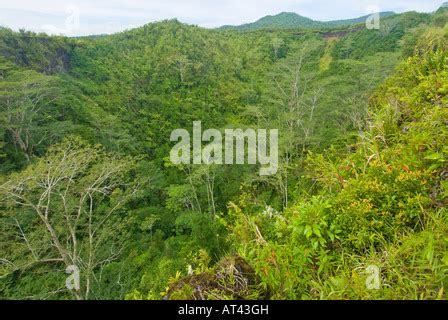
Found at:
[295, 106]
[67, 192]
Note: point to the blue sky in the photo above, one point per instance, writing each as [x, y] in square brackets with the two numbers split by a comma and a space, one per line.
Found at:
[84, 17]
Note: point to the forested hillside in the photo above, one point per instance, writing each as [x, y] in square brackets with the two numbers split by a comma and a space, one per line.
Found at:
[291, 20]
[86, 179]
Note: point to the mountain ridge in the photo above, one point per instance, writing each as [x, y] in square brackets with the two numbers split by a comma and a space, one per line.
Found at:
[292, 20]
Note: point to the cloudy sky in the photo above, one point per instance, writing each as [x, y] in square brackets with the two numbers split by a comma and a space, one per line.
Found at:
[84, 17]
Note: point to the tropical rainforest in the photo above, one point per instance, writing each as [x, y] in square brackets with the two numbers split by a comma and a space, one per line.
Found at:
[86, 179]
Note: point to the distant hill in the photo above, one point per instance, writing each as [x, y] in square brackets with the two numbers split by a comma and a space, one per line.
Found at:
[291, 20]
[444, 6]
[280, 21]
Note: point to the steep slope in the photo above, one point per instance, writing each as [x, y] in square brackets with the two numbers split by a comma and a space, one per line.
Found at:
[376, 212]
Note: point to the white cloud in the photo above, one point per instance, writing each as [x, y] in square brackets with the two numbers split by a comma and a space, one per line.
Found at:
[107, 16]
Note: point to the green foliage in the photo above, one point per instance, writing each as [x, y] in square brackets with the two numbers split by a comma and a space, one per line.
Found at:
[65, 210]
[386, 39]
[356, 186]
[38, 52]
[290, 20]
[382, 204]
